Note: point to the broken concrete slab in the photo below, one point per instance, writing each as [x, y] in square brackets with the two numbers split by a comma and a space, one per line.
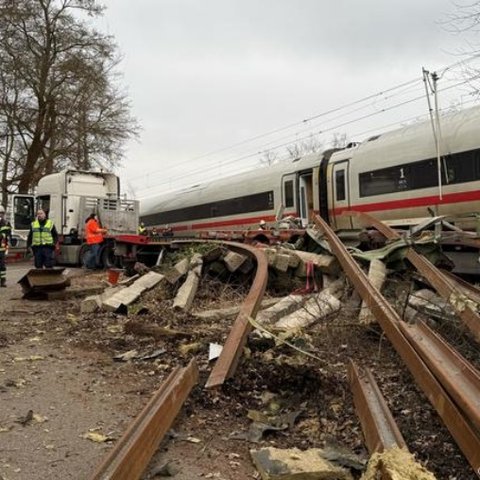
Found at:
[178, 271]
[281, 308]
[377, 273]
[270, 253]
[234, 260]
[316, 308]
[282, 262]
[229, 312]
[294, 464]
[128, 295]
[293, 260]
[395, 463]
[93, 303]
[149, 280]
[186, 293]
[90, 304]
[124, 297]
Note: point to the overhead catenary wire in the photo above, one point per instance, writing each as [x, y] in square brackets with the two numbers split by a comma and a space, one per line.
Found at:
[293, 138]
[295, 124]
[273, 145]
[255, 154]
[403, 85]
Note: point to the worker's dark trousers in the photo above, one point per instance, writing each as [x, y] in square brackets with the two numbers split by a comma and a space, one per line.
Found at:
[43, 256]
[92, 258]
[3, 268]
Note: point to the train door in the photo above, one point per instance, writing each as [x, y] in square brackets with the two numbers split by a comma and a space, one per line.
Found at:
[305, 194]
[341, 195]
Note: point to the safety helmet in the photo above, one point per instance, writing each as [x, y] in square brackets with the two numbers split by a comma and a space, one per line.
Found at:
[2, 209]
[262, 222]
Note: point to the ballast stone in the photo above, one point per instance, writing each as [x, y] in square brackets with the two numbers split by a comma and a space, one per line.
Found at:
[294, 464]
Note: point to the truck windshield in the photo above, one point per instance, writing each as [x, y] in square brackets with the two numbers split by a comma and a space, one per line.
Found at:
[22, 212]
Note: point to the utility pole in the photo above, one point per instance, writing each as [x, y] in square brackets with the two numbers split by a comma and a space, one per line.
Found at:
[430, 80]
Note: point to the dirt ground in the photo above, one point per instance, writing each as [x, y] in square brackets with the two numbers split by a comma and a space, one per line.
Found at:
[59, 364]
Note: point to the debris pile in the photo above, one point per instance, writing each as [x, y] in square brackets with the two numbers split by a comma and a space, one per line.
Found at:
[289, 406]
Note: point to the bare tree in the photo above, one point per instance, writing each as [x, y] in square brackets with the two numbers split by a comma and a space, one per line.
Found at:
[339, 140]
[464, 21]
[61, 104]
[269, 158]
[299, 149]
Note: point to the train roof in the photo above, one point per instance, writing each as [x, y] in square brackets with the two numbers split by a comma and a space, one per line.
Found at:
[226, 187]
[459, 132]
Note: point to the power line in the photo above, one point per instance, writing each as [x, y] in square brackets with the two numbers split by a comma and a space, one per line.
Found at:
[322, 114]
[409, 86]
[302, 122]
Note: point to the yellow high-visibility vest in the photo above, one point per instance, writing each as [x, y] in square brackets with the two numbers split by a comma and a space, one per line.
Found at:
[42, 235]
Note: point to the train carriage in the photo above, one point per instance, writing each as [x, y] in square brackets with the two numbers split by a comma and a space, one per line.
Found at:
[394, 176]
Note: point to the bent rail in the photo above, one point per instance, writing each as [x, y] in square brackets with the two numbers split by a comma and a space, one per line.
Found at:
[466, 437]
[133, 451]
[454, 372]
[227, 363]
[437, 279]
[232, 350]
[378, 425]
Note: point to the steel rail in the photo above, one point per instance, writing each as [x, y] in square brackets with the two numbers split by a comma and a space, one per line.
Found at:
[461, 430]
[378, 425]
[132, 453]
[435, 277]
[227, 363]
[455, 373]
[229, 358]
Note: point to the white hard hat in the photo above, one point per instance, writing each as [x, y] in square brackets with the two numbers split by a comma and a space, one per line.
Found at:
[2, 209]
[262, 222]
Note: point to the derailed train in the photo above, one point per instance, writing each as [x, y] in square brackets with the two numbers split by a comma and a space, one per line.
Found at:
[393, 176]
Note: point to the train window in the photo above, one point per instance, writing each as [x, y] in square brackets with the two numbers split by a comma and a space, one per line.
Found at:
[340, 184]
[462, 167]
[288, 190]
[409, 176]
[255, 202]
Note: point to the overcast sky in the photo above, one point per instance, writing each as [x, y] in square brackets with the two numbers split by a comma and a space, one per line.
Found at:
[207, 74]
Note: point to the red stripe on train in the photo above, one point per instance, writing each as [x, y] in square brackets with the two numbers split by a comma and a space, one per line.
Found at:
[448, 198]
[228, 223]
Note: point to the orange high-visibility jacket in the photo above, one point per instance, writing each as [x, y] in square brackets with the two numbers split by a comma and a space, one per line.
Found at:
[92, 232]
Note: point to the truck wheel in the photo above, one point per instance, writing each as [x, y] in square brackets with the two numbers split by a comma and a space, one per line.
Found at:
[107, 257]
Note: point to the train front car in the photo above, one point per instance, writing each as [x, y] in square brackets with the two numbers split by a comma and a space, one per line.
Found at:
[239, 203]
[395, 176]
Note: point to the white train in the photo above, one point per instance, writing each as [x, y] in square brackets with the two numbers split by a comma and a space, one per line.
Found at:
[393, 176]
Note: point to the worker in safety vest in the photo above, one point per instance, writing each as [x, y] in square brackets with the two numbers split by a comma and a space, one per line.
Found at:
[94, 236]
[42, 239]
[141, 229]
[5, 235]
